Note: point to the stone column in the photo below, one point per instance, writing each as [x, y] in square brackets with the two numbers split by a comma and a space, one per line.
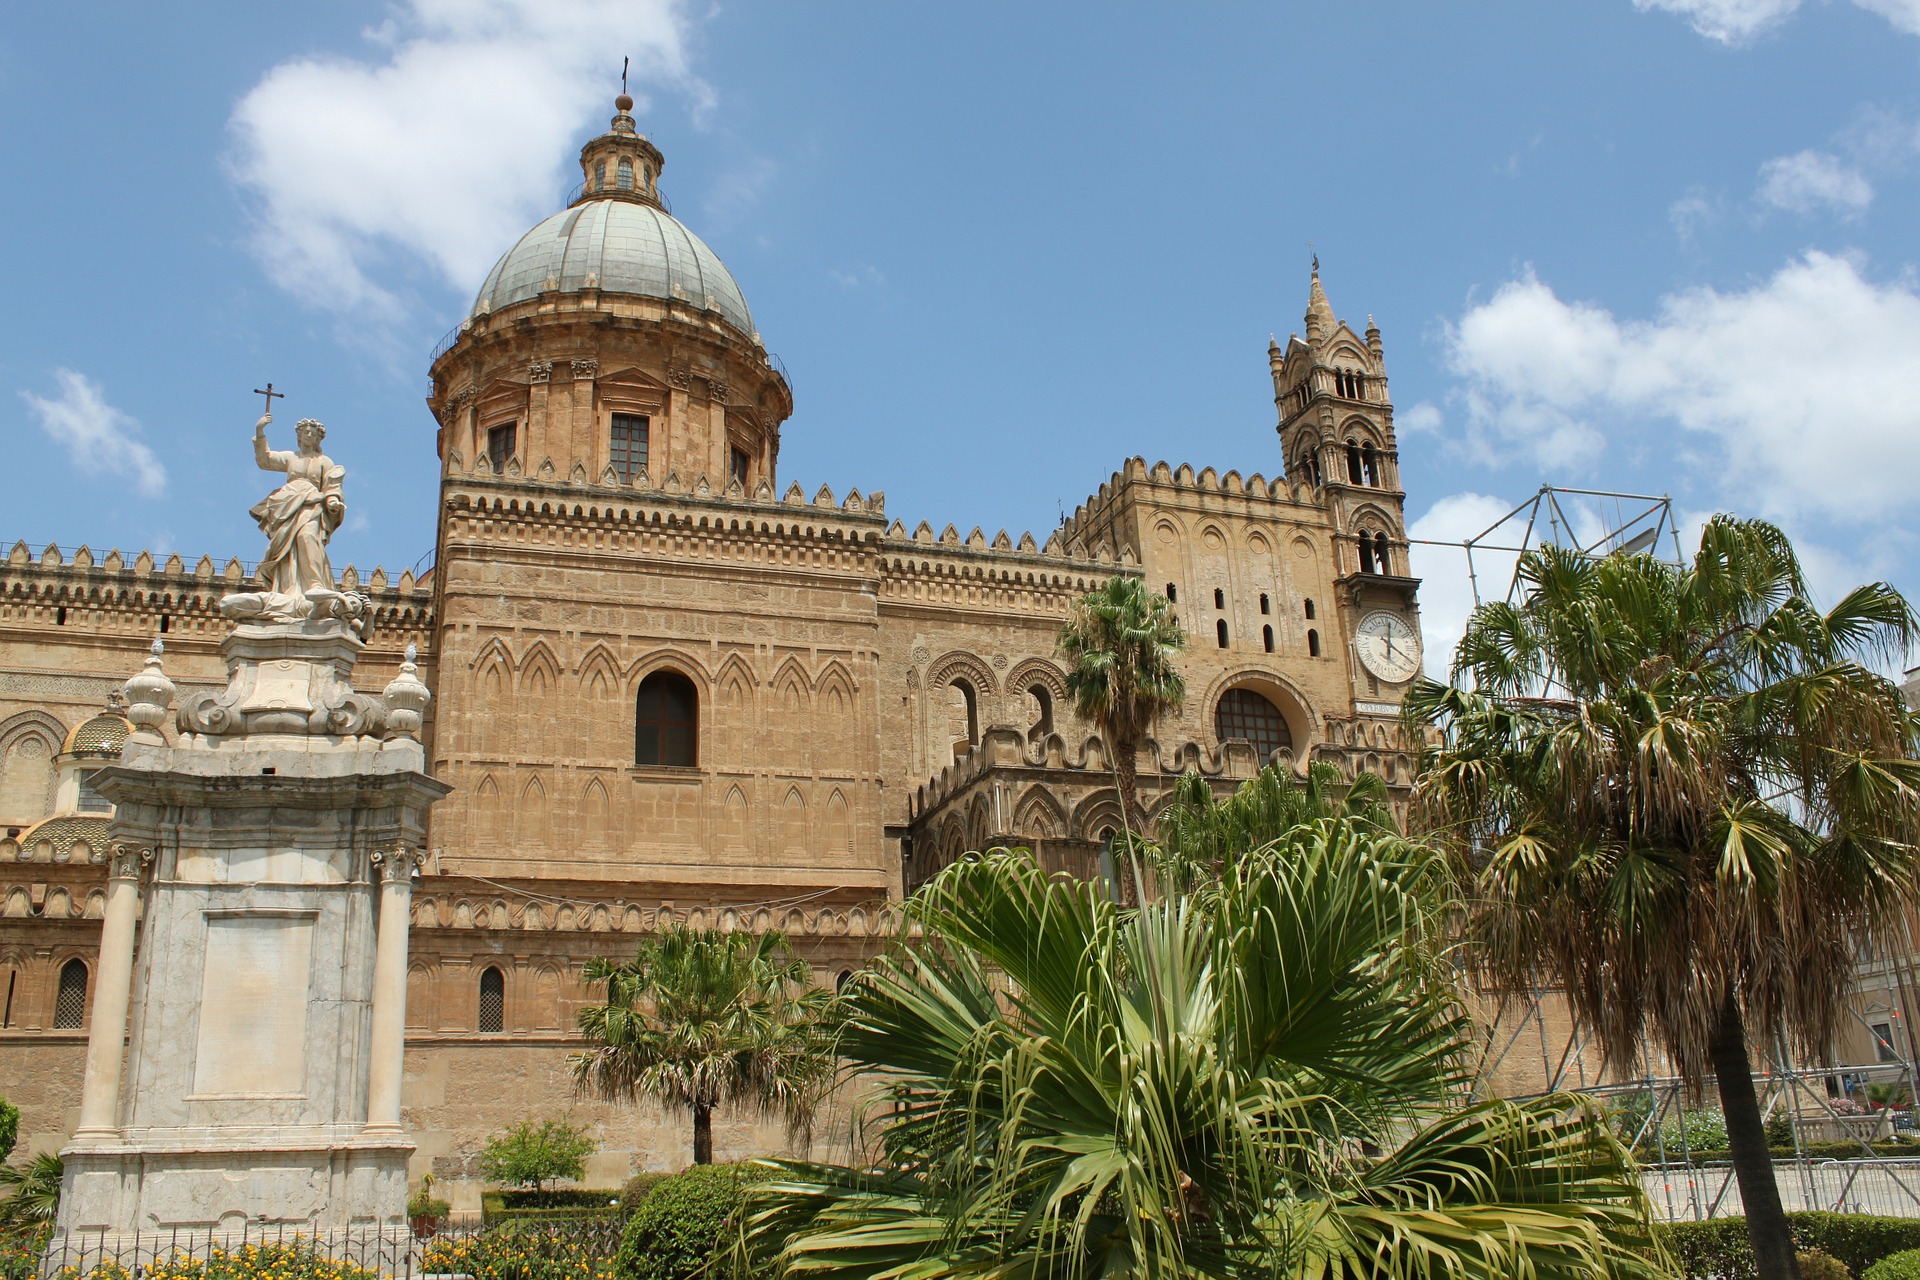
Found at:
[112, 990]
[388, 1041]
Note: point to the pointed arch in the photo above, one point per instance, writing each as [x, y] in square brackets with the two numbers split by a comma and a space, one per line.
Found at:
[487, 812]
[596, 812]
[735, 821]
[793, 821]
[1039, 816]
[539, 670]
[839, 823]
[532, 818]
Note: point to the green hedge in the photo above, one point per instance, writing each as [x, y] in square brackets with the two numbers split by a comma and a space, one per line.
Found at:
[680, 1224]
[1897, 1266]
[576, 1197]
[496, 1206]
[1814, 1151]
[1717, 1249]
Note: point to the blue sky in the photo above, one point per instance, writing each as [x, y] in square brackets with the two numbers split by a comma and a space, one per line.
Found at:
[1660, 245]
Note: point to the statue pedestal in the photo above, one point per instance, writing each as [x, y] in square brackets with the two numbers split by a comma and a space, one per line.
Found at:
[274, 843]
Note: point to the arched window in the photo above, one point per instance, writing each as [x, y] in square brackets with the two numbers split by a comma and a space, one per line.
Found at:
[971, 706]
[1173, 595]
[666, 728]
[70, 1005]
[1353, 463]
[493, 1001]
[1370, 464]
[600, 175]
[1309, 611]
[1380, 558]
[1313, 643]
[1366, 553]
[1219, 598]
[1220, 630]
[1245, 715]
[840, 983]
[623, 176]
[1042, 701]
[1266, 638]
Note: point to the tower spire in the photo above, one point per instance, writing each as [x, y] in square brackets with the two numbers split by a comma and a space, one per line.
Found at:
[1320, 319]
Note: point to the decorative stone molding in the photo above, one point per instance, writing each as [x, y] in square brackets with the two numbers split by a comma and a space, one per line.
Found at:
[679, 376]
[586, 367]
[283, 678]
[540, 371]
[717, 392]
[406, 700]
[128, 861]
[149, 693]
[397, 865]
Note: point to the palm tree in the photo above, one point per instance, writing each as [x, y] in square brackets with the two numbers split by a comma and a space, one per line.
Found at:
[33, 1193]
[700, 1019]
[1252, 1085]
[1678, 792]
[1197, 833]
[1121, 641]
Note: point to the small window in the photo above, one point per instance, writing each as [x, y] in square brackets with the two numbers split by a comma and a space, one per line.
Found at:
[60, 616]
[840, 983]
[627, 446]
[1370, 464]
[70, 1006]
[1366, 554]
[91, 801]
[1354, 474]
[6, 1014]
[600, 175]
[1309, 611]
[1173, 594]
[737, 463]
[1264, 604]
[501, 444]
[1266, 638]
[166, 622]
[666, 721]
[1381, 563]
[1220, 630]
[1313, 643]
[493, 1001]
[623, 177]
[1219, 598]
[1245, 715]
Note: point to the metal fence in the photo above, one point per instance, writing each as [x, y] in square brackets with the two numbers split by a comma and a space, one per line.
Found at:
[1685, 1192]
[557, 1246]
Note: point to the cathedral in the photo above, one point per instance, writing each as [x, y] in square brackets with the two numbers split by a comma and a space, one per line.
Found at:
[671, 684]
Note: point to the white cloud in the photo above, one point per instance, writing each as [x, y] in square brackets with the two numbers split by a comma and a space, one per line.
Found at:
[1691, 214]
[1809, 181]
[1805, 381]
[445, 146]
[97, 436]
[1738, 21]
[1425, 416]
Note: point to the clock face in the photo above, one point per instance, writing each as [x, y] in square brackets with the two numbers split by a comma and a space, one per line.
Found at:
[1389, 647]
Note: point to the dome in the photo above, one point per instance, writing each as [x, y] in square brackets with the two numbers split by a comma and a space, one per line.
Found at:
[103, 735]
[619, 246]
[57, 839]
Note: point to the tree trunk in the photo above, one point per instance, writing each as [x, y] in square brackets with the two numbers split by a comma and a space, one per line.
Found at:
[1126, 765]
[702, 1134]
[1747, 1142]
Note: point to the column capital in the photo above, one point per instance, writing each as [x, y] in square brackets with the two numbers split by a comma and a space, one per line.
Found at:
[397, 865]
[127, 861]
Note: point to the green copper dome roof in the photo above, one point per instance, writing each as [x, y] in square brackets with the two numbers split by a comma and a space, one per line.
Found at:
[618, 246]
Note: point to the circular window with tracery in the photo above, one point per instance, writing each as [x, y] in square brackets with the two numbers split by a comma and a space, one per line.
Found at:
[1246, 715]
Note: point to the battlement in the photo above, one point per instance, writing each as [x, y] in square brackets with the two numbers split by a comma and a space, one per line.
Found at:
[1221, 492]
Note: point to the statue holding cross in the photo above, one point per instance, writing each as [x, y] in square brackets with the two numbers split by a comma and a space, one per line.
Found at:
[295, 578]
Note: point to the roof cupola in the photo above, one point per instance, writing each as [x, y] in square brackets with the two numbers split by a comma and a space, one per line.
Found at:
[620, 164]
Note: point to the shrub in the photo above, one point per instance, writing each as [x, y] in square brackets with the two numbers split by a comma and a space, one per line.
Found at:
[1904, 1265]
[9, 1127]
[536, 1154]
[559, 1198]
[636, 1189]
[678, 1225]
[20, 1253]
[297, 1260]
[1717, 1249]
[1815, 1265]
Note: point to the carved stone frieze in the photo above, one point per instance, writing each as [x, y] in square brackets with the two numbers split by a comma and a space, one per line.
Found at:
[587, 367]
[540, 371]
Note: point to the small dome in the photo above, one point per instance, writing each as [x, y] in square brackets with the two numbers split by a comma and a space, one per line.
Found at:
[58, 839]
[617, 246]
[103, 735]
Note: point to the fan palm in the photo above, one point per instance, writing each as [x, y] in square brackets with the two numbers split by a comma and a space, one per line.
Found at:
[1677, 792]
[1120, 642]
[1197, 832]
[1257, 1084]
[32, 1190]
[700, 1019]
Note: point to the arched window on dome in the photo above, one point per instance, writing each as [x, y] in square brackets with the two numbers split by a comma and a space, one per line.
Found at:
[623, 176]
[70, 1004]
[666, 721]
[1247, 716]
[493, 1002]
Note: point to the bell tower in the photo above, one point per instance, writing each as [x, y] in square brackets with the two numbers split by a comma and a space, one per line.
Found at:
[1336, 433]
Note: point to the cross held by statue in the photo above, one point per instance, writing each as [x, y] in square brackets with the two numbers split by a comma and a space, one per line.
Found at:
[271, 396]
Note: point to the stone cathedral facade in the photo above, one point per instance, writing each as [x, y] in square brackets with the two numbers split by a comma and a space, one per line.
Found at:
[672, 683]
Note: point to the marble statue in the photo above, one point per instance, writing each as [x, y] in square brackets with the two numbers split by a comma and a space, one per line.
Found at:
[296, 581]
